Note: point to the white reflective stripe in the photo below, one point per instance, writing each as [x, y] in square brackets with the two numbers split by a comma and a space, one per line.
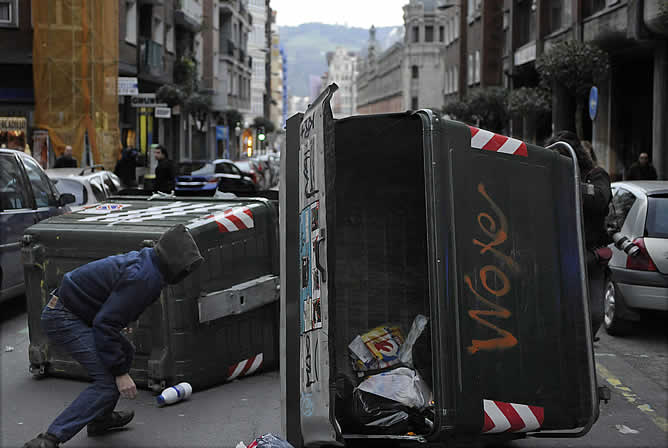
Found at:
[481, 138]
[510, 146]
[257, 362]
[229, 225]
[240, 213]
[530, 421]
[501, 423]
[238, 370]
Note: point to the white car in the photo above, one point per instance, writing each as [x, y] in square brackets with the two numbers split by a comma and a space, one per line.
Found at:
[88, 185]
[640, 282]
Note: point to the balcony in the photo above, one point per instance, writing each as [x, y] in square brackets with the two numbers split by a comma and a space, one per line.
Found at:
[188, 14]
[237, 8]
[151, 58]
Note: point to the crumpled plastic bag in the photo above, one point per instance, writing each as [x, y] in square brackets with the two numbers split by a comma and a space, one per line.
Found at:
[402, 385]
[266, 441]
[406, 354]
[378, 415]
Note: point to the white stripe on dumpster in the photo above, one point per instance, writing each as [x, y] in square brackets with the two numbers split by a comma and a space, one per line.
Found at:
[481, 138]
[238, 370]
[242, 214]
[510, 146]
[229, 225]
[530, 421]
[256, 364]
[501, 423]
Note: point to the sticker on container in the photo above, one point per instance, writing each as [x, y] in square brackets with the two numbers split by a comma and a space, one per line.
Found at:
[316, 314]
[308, 314]
[103, 209]
[384, 343]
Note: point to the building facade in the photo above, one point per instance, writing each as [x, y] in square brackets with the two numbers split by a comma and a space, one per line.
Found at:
[258, 49]
[278, 79]
[632, 108]
[342, 70]
[379, 78]
[409, 74]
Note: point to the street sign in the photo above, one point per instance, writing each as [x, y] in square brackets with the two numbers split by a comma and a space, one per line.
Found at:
[593, 102]
[128, 86]
[163, 112]
[145, 100]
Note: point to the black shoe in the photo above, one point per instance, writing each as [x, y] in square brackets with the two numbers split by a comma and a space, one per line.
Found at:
[44, 440]
[116, 419]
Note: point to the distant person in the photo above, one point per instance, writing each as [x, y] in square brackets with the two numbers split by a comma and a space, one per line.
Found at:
[66, 160]
[596, 196]
[642, 169]
[85, 316]
[165, 171]
[126, 167]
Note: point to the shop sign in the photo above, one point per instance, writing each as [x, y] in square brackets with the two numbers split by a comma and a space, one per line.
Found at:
[13, 124]
[128, 86]
[145, 100]
[163, 112]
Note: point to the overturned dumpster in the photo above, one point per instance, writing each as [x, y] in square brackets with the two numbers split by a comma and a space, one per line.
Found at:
[432, 283]
[218, 324]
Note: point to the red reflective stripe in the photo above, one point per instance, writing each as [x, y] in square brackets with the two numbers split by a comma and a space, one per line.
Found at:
[249, 363]
[522, 150]
[489, 424]
[539, 413]
[495, 143]
[237, 222]
[516, 422]
[474, 131]
[221, 228]
[253, 445]
[248, 212]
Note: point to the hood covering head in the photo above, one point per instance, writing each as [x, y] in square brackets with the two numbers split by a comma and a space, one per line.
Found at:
[178, 254]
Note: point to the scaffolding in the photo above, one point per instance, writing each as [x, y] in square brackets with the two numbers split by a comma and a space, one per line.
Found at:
[75, 71]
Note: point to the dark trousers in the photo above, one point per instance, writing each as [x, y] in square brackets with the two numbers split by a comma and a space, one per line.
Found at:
[596, 274]
[70, 333]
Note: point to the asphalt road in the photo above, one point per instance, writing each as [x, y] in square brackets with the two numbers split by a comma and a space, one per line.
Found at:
[635, 368]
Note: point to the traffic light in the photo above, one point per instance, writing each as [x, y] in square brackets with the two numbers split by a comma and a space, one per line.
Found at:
[260, 135]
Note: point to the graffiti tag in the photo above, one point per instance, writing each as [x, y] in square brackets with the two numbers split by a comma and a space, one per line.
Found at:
[498, 235]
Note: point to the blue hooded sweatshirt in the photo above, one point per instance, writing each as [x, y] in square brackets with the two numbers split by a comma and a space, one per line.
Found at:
[110, 293]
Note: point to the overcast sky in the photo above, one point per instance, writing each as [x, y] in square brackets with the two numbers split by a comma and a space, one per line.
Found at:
[355, 13]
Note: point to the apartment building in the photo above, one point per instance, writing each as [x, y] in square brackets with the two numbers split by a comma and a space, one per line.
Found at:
[342, 70]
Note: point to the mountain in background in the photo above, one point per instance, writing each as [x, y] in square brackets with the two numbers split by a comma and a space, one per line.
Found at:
[306, 48]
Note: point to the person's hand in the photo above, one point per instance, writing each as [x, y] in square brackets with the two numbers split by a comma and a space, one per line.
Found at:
[126, 386]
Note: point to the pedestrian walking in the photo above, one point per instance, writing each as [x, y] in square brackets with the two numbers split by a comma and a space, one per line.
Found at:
[596, 196]
[85, 316]
[165, 171]
[66, 160]
[642, 169]
[126, 167]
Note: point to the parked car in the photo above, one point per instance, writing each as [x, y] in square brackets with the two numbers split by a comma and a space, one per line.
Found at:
[207, 177]
[88, 185]
[640, 210]
[251, 169]
[27, 196]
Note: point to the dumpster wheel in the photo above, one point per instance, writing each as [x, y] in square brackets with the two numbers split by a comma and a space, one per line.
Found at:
[37, 371]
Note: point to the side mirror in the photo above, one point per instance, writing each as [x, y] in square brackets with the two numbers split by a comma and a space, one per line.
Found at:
[66, 198]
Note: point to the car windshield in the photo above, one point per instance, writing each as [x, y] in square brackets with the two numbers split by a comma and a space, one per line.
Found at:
[206, 169]
[657, 217]
[244, 166]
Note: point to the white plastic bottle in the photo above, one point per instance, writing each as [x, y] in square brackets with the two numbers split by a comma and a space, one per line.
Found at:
[181, 391]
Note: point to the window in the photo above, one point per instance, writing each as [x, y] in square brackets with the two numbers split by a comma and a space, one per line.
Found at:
[622, 202]
[108, 181]
[169, 38]
[414, 103]
[98, 190]
[13, 191]
[657, 217]
[41, 186]
[441, 33]
[429, 33]
[456, 78]
[9, 14]
[158, 31]
[415, 71]
[448, 33]
[416, 34]
[477, 66]
[131, 22]
[456, 24]
[470, 78]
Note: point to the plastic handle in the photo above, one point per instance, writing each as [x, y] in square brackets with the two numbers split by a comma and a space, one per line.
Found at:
[320, 267]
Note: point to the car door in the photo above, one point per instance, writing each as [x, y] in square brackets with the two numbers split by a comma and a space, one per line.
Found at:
[16, 214]
[44, 191]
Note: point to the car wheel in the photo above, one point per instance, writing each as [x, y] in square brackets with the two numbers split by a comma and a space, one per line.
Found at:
[614, 325]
